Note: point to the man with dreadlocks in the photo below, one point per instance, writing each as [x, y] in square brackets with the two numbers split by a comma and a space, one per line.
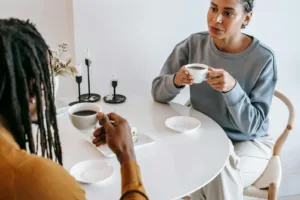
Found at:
[26, 97]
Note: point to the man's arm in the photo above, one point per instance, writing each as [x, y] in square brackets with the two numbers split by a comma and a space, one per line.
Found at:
[132, 186]
[117, 134]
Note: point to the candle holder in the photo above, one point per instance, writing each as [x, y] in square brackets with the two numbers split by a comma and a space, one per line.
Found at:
[89, 97]
[115, 98]
[78, 81]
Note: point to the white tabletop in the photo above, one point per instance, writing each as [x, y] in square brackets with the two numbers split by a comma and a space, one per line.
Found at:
[174, 166]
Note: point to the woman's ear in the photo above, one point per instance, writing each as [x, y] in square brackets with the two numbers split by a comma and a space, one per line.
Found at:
[247, 19]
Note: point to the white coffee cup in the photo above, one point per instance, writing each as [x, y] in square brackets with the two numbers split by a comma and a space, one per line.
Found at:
[198, 71]
[87, 123]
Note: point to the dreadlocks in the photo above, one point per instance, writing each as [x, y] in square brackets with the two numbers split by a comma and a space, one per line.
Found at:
[24, 74]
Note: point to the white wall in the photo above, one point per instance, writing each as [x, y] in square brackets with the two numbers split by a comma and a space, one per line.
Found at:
[53, 18]
[133, 38]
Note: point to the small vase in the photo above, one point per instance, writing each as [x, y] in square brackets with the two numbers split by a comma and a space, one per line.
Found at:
[56, 84]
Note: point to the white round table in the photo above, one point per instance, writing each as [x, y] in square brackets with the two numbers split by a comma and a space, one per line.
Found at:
[175, 165]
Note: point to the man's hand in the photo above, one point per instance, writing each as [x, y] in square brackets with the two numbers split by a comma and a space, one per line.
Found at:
[116, 132]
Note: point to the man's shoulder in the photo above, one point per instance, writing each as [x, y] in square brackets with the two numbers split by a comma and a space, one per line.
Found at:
[47, 179]
[42, 168]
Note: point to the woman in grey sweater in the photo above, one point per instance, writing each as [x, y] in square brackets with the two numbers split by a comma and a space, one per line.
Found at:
[237, 94]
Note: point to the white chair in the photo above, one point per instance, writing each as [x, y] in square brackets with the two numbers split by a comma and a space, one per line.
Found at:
[267, 185]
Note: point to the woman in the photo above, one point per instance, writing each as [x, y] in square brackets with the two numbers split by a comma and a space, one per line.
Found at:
[25, 90]
[237, 95]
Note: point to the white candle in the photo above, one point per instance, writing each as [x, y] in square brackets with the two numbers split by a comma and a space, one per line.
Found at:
[114, 78]
[79, 70]
[88, 54]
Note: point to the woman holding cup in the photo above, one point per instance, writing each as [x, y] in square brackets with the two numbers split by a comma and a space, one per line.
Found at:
[241, 78]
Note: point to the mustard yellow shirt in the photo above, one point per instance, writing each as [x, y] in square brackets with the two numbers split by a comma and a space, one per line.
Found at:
[30, 177]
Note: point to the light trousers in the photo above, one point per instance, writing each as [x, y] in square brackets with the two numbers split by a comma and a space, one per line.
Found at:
[246, 163]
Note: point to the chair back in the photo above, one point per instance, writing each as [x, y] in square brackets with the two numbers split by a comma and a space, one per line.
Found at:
[291, 117]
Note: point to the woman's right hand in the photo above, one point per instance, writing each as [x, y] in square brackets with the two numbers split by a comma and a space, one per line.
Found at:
[183, 77]
[117, 134]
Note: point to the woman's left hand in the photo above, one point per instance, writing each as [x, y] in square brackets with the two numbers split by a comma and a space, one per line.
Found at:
[220, 80]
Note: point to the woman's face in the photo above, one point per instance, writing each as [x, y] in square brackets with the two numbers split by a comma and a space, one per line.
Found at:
[225, 18]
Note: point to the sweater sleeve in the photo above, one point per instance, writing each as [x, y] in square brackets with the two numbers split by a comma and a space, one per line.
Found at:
[248, 113]
[132, 187]
[163, 88]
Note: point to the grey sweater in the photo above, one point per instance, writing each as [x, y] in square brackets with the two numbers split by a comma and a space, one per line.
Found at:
[241, 112]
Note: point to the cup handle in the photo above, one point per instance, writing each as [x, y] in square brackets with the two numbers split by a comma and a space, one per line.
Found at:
[206, 77]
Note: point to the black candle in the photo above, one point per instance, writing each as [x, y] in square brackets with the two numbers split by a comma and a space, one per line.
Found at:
[88, 63]
[79, 80]
[89, 97]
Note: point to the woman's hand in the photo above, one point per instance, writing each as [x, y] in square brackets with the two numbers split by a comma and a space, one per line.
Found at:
[183, 77]
[220, 80]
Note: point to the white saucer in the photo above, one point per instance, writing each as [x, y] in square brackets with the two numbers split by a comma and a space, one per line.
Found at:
[183, 124]
[92, 171]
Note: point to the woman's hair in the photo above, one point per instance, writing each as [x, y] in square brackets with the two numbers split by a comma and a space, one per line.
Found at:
[24, 74]
[248, 6]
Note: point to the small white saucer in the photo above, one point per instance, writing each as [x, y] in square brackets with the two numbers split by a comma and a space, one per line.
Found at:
[183, 124]
[92, 171]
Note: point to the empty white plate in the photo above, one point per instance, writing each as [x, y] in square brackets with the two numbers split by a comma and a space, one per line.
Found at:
[183, 124]
[92, 171]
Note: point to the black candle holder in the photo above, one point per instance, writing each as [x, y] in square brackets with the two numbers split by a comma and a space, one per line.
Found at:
[78, 81]
[116, 98]
[89, 97]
